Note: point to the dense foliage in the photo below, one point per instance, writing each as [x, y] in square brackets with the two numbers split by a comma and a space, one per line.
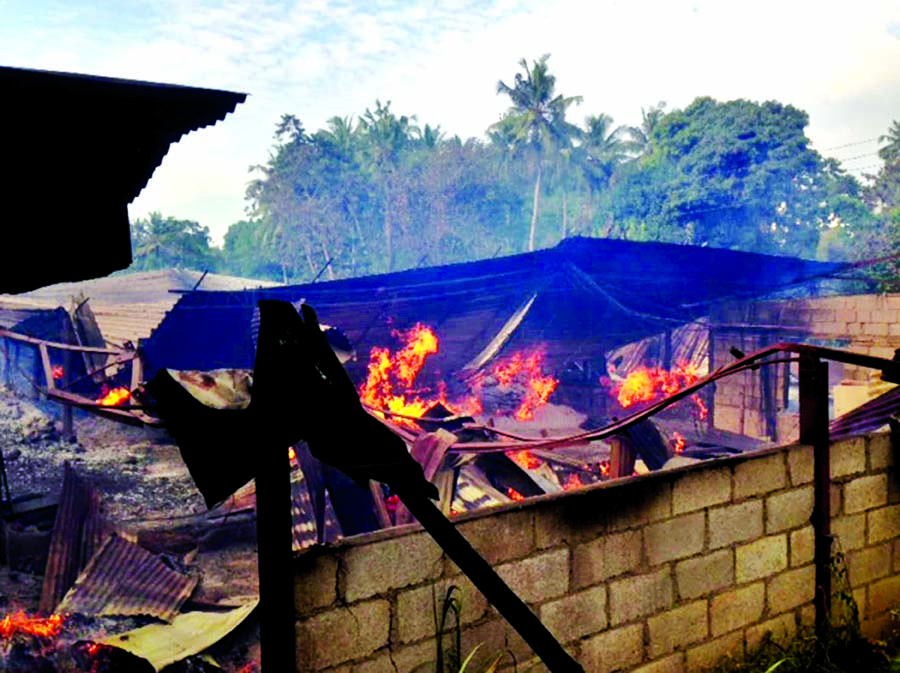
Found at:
[383, 192]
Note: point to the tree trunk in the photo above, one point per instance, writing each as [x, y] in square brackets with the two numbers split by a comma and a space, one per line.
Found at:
[535, 208]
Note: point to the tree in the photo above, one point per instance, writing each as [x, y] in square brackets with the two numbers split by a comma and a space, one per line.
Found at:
[386, 136]
[537, 120]
[163, 242]
[736, 174]
[890, 153]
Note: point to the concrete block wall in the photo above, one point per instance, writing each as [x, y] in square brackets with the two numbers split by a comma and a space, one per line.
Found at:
[667, 572]
[862, 323]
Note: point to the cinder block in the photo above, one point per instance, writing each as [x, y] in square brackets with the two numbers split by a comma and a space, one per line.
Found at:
[606, 557]
[789, 509]
[761, 558]
[540, 577]
[709, 654]
[639, 596]
[574, 519]
[613, 650]
[881, 451]
[576, 616]
[735, 523]
[655, 504]
[848, 457]
[380, 664]
[672, 664]
[878, 627]
[340, 635]
[735, 609]
[800, 464]
[705, 574]
[678, 627]
[315, 580]
[676, 538]
[850, 531]
[416, 607]
[488, 637]
[884, 523]
[374, 568]
[696, 490]
[791, 589]
[502, 536]
[778, 630]
[759, 476]
[884, 595]
[802, 546]
[869, 564]
[865, 493]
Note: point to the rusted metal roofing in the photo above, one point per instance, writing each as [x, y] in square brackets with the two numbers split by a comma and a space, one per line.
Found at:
[868, 417]
[126, 307]
[80, 144]
[77, 533]
[125, 579]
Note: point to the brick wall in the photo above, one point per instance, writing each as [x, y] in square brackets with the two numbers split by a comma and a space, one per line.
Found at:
[861, 323]
[662, 573]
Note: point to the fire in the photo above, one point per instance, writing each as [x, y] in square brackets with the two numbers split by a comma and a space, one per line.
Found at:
[526, 369]
[58, 372]
[573, 482]
[525, 459]
[292, 455]
[646, 384]
[514, 494]
[115, 397]
[390, 385]
[679, 442]
[36, 626]
[604, 468]
[391, 377]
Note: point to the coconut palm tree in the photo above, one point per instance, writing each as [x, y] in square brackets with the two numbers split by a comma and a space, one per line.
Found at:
[537, 119]
[890, 153]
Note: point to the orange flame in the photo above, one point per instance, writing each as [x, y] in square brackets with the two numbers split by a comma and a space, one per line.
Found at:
[387, 373]
[36, 626]
[647, 384]
[58, 372]
[514, 494]
[680, 442]
[115, 397]
[526, 369]
[291, 453]
[525, 459]
[604, 468]
[573, 482]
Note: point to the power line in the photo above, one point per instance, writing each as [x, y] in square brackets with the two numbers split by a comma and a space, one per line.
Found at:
[858, 142]
[859, 156]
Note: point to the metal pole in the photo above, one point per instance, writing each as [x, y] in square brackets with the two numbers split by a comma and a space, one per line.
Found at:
[814, 432]
[489, 583]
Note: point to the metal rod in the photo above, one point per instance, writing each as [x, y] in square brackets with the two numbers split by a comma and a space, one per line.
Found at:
[489, 583]
[814, 432]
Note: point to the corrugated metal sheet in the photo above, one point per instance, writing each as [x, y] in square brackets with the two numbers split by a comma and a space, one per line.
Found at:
[127, 307]
[869, 417]
[125, 579]
[188, 634]
[77, 533]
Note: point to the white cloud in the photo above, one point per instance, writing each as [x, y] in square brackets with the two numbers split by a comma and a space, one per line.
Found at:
[441, 61]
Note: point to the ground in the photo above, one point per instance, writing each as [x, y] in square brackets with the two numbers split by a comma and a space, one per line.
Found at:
[142, 482]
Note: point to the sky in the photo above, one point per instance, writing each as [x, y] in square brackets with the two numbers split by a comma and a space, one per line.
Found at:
[441, 61]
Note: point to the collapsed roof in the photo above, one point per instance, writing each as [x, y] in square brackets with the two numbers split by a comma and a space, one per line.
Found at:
[77, 150]
[579, 299]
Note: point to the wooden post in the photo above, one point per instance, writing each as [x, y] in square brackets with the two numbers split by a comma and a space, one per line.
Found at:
[814, 432]
[67, 421]
[711, 395]
[622, 457]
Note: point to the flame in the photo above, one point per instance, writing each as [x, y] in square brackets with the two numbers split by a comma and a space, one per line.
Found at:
[388, 374]
[292, 455]
[514, 494]
[680, 442]
[604, 468]
[115, 397]
[525, 459]
[525, 368]
[647, 384]
[36, 626]
[58, 372]
[573, 482]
